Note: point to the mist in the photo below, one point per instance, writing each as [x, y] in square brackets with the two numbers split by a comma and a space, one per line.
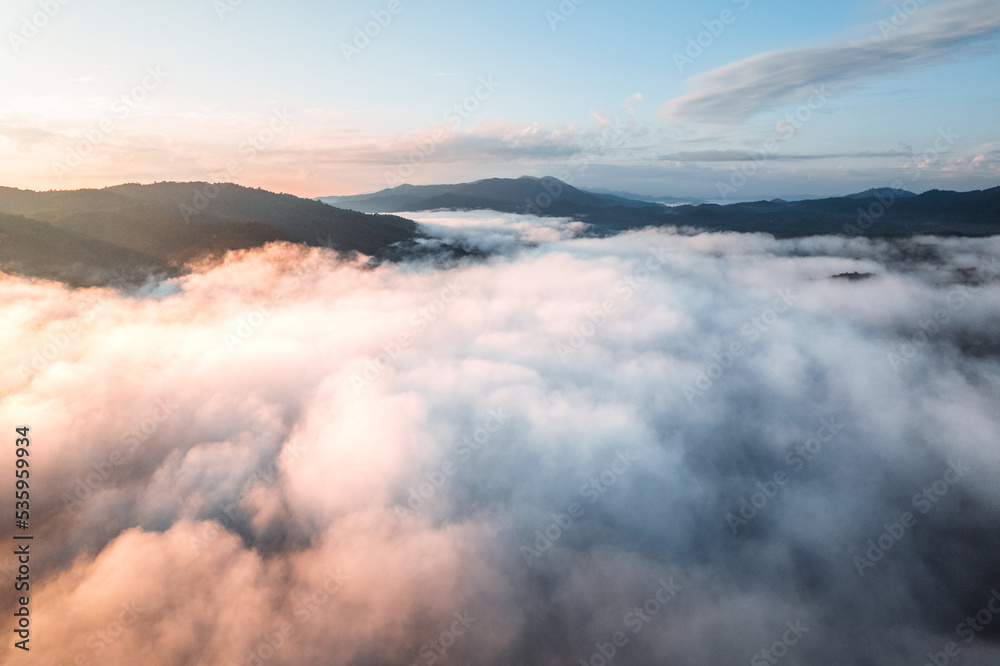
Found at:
[659, 447]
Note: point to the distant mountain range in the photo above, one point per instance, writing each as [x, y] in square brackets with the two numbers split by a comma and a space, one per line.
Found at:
[876, 212]
[126, 233]
[538, 196]
[493, 193]
[667, 201]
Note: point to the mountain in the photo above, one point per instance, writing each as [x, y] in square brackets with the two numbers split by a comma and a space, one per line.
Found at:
[547, 197]
[501, 194]
[668, 201]
[799, 197]
[894, 212]
[79, 236]
[38, 249]
[616, 200]
[127, 233]
[934, 212]
[885, 193]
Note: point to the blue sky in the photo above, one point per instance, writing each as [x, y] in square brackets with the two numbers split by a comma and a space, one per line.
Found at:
[592, 91]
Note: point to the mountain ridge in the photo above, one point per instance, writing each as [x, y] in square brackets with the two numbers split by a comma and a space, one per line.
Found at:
[131, 232]
[901, 213]
[162, 226]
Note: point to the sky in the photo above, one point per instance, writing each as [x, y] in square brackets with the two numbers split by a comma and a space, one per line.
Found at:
[664, 98]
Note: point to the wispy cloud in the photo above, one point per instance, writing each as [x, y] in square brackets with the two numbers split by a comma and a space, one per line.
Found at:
[741, 155]
[736, 91]
[488, 140]
[25, 131]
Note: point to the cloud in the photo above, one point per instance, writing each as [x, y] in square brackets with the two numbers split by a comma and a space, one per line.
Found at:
[288, 458]
[315, 149]
[490, 232]
[490, 141]
[487, 141]
[742, 155]
[982, 159]
[631, 102]
[26, 131]
[930, 36]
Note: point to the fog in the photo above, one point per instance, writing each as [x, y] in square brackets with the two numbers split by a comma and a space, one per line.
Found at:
[652, 448]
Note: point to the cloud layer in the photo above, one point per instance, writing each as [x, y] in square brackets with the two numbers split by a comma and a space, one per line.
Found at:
[287, 458]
